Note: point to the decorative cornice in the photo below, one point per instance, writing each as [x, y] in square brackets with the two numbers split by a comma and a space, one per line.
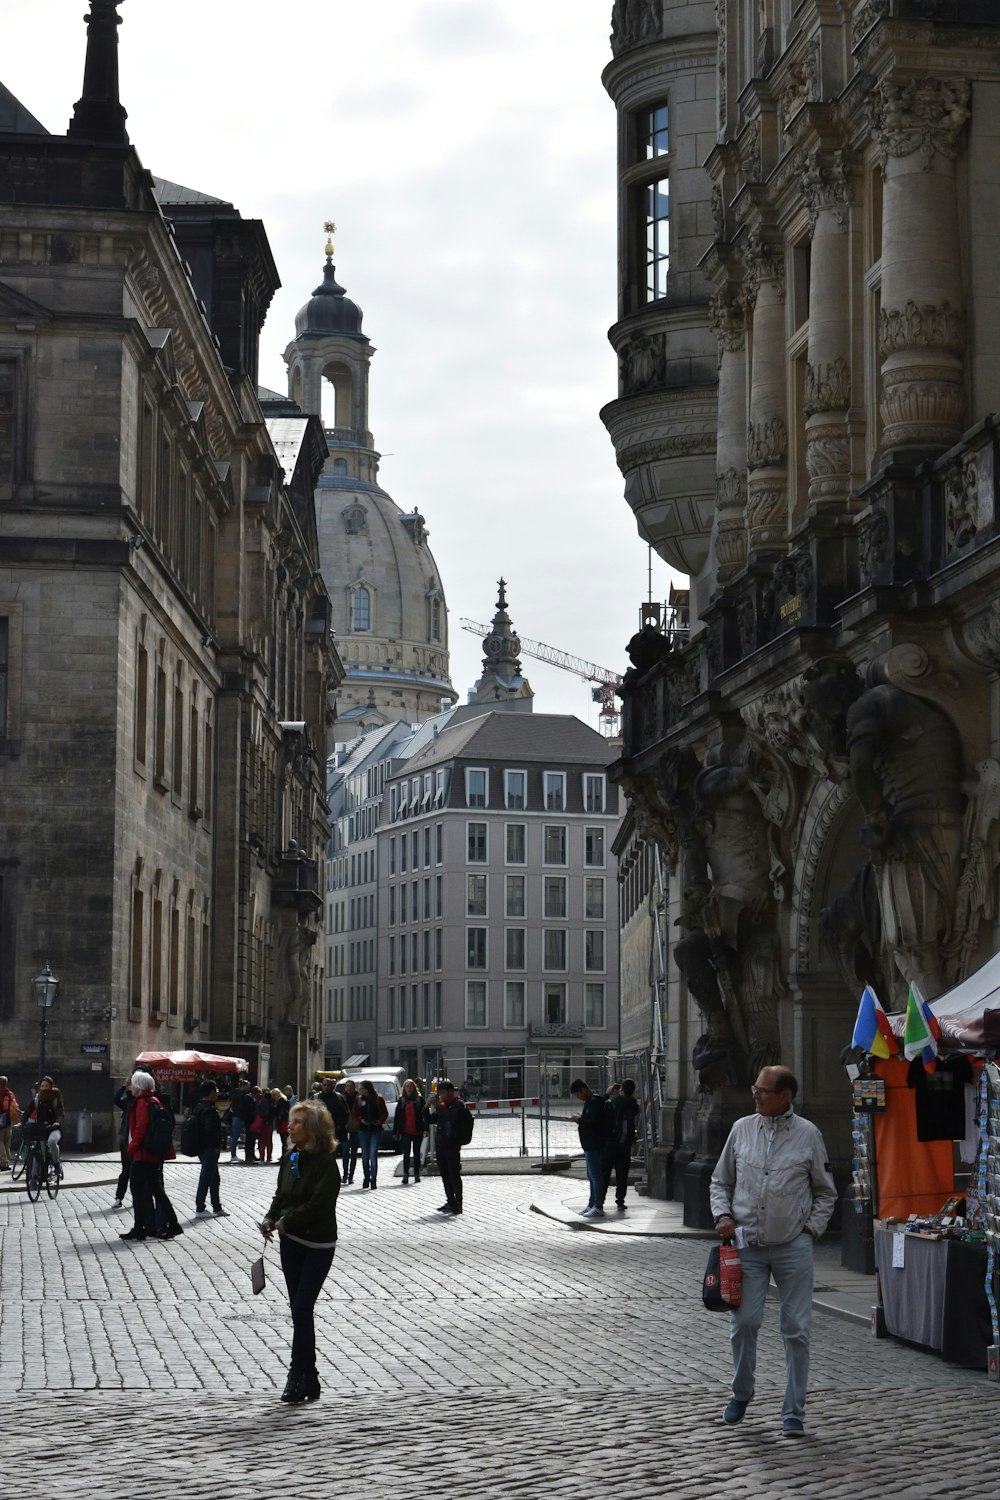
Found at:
[924, 115]
[678, 445]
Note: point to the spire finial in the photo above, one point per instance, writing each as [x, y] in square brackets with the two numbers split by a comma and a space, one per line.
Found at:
[98, 114]
[502, 596]
[331, 229]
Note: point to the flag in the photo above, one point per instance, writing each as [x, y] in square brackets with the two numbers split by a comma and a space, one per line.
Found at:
[920, 1037]
[872, 1029]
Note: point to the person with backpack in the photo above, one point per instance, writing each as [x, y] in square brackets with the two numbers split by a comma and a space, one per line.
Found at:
[9, 1115]
[206, 1125]
[454, 1123]
[150, 1144]
[43, 1118]
[243, 1110]
[596, 1124]
[625, 1109]
[123, 1102]
[372, 1111]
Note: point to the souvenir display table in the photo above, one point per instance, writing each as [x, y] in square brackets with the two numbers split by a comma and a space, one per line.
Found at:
[937, 1297]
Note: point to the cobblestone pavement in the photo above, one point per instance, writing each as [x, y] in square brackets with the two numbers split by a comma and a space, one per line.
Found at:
[500, 1355]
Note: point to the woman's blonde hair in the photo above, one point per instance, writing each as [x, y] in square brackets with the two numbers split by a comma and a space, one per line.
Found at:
[408, 1083]
[276, 1094]
[318, 1123]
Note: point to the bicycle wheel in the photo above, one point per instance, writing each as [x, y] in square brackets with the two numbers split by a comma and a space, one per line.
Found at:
[19, 1162]
[33, 1176]
[51, 1179]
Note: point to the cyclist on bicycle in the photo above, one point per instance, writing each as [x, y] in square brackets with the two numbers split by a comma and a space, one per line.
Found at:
[43, 1119]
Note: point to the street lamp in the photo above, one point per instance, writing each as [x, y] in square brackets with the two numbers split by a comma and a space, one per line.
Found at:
[43, 989]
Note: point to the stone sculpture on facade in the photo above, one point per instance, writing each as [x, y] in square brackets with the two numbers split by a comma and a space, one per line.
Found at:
[906, 770]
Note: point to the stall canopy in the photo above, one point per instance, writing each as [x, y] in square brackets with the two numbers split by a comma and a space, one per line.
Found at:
[968, 1014]
[185, 1067]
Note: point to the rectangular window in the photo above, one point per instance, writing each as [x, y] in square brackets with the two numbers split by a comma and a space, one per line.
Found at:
[137, 951]
[554, 897]
[593, 1005]
[402, 901]
[426, 997]
[392, 906]
[475, 948]
[208, 778]
[438, 1013]
[427, 899]
[402, 853]
[514, 896]
[593, 847]
[415, 851]
[593, 898]
[475, 787]
[657, 238]
[475, 1002]
[475, 896]
[554, 783]
[476, 843]
[391, 1008]
[515, 947]
[427, 952]
[440, 787]
[392, 856]
[554, 1005]
[438, 947]
[439, 895]
[593, 951]
[514, 789]
[173, 974]
[554, 844]
[156, 959]
[593, 793]
[516, 844]
[141, 702]
[194, 762]
[554, 948]
[160, 728]
[8, 418]
[438, 844]
[513, 1002]
[427, 848]
[415, 953]
[391, 955]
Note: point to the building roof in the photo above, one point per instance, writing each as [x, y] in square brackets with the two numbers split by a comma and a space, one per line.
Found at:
[174, 193]
[517, 738]
[15, 119]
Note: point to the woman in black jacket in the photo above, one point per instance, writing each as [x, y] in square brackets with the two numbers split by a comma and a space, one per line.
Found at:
[410, 1124]
[304, 1213]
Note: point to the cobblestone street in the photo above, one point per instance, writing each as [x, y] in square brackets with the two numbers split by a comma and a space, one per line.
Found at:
[502, 1355]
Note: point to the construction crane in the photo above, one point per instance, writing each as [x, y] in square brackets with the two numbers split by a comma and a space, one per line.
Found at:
[607, 680]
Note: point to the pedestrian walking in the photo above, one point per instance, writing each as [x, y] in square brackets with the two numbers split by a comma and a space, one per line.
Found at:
[410, 1125]
[348, 1135]
[241, 1108]
[625, 1110]
[773, 1182]
[281, 1108]
[372, 1112]
[453, 1130]
[596, 1124]
[304, 1214]
[9, 1115]
[265, 1134]
[209, 1127]
[122, 1100]
[153, 1212]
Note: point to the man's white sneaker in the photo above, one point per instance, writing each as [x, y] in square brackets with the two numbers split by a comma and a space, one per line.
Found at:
[597, 1213]
[200, 1213]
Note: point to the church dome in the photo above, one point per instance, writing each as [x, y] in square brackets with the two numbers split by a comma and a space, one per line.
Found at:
[329, 310]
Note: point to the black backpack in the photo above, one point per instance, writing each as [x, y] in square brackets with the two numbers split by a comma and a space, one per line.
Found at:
[464, 1124]
[159, 1137]
[191, 1135]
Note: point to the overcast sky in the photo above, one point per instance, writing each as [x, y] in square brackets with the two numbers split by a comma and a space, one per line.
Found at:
[466, 151]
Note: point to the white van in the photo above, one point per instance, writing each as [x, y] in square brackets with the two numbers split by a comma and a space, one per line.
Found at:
[388, 1082]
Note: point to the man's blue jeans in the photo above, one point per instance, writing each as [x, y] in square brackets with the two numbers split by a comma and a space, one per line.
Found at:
[597, 1175]
[369, 1142]
[235, 1129]
[208, 1181]
[791, 1266]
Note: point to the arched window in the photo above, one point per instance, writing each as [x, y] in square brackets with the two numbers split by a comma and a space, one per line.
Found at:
[361, 609]
[340, 465]
[435, 619]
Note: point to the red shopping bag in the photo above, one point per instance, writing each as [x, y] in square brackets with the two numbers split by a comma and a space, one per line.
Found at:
[730, 1275]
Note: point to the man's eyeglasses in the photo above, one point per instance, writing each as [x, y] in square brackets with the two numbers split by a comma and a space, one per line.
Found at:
[756, 1089]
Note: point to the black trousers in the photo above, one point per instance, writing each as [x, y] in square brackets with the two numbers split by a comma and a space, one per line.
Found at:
[142, 1177]
[305, 1270]
[449, 1160]
[411, 1147]
[619, 1162]
[124, 1176]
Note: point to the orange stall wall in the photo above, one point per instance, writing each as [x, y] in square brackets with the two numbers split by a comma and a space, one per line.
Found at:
[914, 1177]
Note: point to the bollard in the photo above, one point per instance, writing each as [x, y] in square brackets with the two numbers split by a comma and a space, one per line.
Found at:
[84, 1128]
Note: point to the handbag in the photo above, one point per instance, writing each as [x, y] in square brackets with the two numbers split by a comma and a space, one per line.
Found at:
[722, 1284]
[257, 1278]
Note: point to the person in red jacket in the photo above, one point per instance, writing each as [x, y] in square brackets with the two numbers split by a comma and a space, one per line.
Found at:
[154, 1213]
[8, 1116]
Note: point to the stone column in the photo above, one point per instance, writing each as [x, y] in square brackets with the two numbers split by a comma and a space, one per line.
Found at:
[767, 434]
[828, 367]
[730, 528]
[917, 123]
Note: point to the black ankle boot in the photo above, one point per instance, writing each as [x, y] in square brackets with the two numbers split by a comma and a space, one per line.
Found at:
[312, 1387]
[295, 1388]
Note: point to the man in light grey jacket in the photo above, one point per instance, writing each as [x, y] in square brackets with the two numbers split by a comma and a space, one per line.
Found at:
[773, 1180]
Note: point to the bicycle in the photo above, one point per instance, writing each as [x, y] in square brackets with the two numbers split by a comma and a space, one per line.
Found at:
[19, 1160]
[40, 1170]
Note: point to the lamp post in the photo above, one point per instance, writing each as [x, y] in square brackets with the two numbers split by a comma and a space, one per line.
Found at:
[43, 989]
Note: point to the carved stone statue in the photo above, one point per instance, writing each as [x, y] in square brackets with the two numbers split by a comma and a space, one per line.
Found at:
[906, 770]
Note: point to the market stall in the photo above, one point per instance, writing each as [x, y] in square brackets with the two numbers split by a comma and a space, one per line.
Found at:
[189, 1067]
[927, 1165]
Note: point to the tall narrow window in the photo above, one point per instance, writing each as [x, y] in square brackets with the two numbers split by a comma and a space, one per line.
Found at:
[156, 960]
[177, 771]
[138, 948]
[8, 417]
[160, 727]
[555, 791]
[141, 703]
[4, 668]
[207, 780]
[194, 762]
[361, 609]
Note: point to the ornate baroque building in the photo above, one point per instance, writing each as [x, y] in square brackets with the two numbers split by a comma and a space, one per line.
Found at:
[809, 353]
[389, 610]
[165, 647]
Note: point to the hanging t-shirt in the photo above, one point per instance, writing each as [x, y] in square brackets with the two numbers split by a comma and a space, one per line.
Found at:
[940, 1099]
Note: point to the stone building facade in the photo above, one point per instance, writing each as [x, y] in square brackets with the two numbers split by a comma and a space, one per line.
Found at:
[164, 632]
[806, 423]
